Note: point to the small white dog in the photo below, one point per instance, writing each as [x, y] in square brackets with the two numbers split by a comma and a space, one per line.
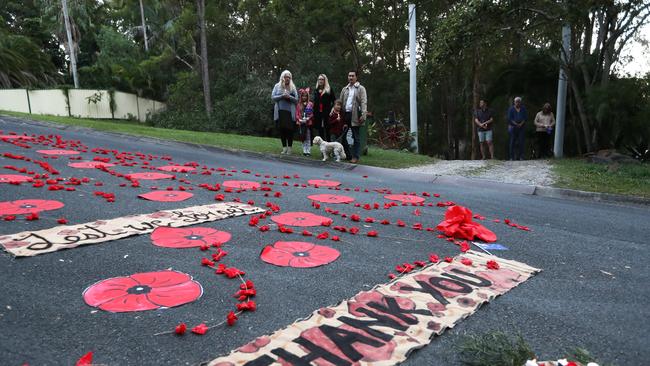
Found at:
[329, 148]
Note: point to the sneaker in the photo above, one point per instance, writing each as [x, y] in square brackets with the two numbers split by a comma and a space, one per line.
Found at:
[289, 150]
[284, 151]
[354, 161]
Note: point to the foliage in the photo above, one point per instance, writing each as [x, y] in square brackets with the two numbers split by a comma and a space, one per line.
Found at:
[495, 348]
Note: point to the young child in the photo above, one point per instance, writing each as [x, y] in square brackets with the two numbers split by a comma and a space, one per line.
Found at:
[304, 119]
[336, 121]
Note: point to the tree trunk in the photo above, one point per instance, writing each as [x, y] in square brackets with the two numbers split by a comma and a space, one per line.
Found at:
[144, 28]
[205, 76]
[584, 119]
[71, 46]
[475, 100]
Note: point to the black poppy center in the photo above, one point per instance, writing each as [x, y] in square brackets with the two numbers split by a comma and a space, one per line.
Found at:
[27, 205]
[139, 290]
[194, 237]
[300, 218]
[170, 195]
[301, 254]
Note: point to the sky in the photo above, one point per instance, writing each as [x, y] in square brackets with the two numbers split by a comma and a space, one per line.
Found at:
[639, 64]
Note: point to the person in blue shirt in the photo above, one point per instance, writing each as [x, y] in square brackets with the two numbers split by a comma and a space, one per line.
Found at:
[517, 116]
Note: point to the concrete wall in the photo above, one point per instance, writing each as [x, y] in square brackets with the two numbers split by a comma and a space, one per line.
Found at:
[50, 101]
[81, 105]
[55, 102]
[14, 100]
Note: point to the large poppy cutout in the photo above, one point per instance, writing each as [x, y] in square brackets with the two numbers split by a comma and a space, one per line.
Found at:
[15, 137]
[57, 152]
[143, 291]
[170, 237]
[405, 198]
[300, 219]
[166, 196]
[20, 207]
[458, 224]
[176, 168]
[150, 176]
[324, 183]
[330, 198]
[298, 254]
[241, 184]
[89, 164]
[8, 178]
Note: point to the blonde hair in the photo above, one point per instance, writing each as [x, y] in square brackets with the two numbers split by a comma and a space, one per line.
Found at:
[326, 84]
[292, 86]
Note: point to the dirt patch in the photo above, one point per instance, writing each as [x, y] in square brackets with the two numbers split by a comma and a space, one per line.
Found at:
[530, 172]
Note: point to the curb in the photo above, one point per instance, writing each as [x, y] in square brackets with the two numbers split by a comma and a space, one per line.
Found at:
[542, 191]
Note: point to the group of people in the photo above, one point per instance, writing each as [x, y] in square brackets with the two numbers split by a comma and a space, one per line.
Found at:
[517, 116]
[319, 111]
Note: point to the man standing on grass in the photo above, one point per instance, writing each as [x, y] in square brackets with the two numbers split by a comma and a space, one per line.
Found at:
[517, 116]
[355, 105]
[483, 117]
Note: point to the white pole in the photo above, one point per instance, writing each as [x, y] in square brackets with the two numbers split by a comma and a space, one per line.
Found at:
[73, 57]
[413, 77]
[558, 147]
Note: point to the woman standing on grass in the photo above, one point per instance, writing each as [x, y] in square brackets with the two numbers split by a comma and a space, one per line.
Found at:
[323, 99]
[544, 123]
[285, 97]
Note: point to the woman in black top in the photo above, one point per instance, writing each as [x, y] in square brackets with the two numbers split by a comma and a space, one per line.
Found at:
[323, 100]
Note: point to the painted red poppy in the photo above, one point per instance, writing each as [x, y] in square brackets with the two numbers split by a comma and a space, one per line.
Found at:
[143, 291]
[57, 152]
[241, 184]
[8, 178]
[300, 219]
[89, 164]
[149, 176]
[176, 168]
[404, 198]
[324, 183]
[20, 207]
[298, 254]
[15, 137]
[458, 224]
[170, 237]
[166, 196]
[330, 198]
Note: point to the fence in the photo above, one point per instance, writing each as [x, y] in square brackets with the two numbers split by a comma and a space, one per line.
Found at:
[85, 103]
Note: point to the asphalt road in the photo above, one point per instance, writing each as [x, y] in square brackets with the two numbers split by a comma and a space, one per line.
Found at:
[592, 292]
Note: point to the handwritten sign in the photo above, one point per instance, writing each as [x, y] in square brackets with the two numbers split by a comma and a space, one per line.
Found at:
[383, 325]
[31, 243]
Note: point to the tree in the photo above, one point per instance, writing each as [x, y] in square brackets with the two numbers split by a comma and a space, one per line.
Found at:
[205, 75]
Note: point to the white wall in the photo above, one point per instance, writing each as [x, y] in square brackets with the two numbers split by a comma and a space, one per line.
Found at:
[51, 101]
[55, 102]
[14, 100]
[80, 106]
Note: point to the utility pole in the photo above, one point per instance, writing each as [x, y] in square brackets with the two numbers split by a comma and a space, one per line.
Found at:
[558, 146]
[413, 78]
[73, 57]
[144, 28]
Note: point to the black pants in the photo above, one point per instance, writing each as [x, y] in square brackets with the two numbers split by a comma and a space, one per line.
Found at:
[286, 136]
[543, 144]
[321, 124]
[286, 127]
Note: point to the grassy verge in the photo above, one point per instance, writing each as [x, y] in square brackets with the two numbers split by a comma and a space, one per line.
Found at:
[375, 157]
[630, 179]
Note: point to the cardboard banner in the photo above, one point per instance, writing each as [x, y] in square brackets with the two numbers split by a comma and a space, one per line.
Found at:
[383, 325]
[31, 243]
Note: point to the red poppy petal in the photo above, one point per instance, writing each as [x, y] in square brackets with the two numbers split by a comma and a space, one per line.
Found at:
[20, 207]
[171, 296]
[128, 303]
[294, 246]
[187, 237]
[275, 256]
[161, 278]
[330, 198]
[166, 196]
[324, 183]
[107, 290]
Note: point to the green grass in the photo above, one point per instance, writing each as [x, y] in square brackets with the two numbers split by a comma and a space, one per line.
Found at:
[629, 179]
[375, 157]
